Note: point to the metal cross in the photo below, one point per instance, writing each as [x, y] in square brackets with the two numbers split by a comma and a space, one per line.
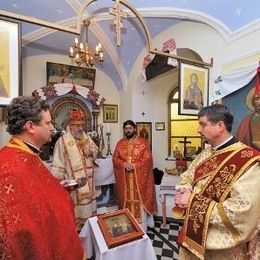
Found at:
[118, 13]
[185, 142]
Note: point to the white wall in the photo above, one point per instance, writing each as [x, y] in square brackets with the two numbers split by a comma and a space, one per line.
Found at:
[201, 38]
[34, 77]
[208, 43]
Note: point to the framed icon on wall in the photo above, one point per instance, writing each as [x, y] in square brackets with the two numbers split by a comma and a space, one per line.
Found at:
[110, 113]
[194, 83]
[144, 129]
[10, 62]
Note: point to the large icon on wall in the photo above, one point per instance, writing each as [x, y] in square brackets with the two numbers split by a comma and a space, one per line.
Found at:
[10, 50]
[248, 129]
[62, 73]
[193, 89]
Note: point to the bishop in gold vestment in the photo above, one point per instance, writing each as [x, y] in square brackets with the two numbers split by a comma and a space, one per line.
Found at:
[73, 159]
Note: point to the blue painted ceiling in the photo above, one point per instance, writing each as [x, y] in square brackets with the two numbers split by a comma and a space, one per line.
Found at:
[232, 16]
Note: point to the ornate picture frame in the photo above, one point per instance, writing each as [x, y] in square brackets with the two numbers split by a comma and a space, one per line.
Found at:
[194, 84]
[119, 227]
[144, 129]
[62, 73]
[60, 107]
[110, 113]
[10, 62]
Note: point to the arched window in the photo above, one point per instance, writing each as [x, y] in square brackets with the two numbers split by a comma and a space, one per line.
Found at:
[181, 127]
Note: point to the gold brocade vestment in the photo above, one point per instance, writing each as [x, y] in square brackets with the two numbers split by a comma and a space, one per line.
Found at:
[70, 163]
[224, 208]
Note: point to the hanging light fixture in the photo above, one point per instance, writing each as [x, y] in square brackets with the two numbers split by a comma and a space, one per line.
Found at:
[80, 53]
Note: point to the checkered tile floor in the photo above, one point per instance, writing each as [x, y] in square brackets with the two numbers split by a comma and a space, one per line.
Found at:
[164, 239]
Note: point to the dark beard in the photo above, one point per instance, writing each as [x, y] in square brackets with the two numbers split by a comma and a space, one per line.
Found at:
[129, 135]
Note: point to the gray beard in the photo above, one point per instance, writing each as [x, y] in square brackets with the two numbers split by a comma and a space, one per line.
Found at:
[78, 135]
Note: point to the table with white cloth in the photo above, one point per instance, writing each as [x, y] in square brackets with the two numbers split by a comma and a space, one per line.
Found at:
[166, 194]
[92, 237]
[104, 174]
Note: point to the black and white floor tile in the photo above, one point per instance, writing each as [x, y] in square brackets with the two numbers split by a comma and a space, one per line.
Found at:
[164, 239]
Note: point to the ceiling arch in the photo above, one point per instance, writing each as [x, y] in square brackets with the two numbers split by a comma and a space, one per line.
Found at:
[231, 20]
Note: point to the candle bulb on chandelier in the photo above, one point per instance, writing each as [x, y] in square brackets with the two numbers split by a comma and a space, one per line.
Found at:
[82, 54]
[71, 51]
[101, 56]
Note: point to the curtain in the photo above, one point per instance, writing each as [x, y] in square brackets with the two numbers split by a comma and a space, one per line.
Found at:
[233, 81]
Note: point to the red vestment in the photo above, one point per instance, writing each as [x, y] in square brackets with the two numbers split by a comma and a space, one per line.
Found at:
[36, 213]
[135, 151]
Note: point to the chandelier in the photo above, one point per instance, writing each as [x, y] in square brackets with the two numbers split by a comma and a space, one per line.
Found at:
[80, 53]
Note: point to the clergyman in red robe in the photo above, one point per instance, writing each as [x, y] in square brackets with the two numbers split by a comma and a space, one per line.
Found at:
[36, 212]
[133, 165]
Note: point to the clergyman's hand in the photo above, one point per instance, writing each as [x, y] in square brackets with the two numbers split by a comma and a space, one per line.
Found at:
[69, 185]
[128, 167]
[182, 197]
[87, 152]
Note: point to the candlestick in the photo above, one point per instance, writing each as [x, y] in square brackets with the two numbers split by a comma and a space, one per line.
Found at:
[108, 134]
[108, 128]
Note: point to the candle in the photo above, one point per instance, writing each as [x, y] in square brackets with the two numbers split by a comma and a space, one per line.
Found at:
[108, 128]
[76, 41]
[71, 51]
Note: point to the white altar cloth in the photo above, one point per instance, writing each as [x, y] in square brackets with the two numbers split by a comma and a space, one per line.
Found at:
[91, 235]
[166, 195]
[104, 174]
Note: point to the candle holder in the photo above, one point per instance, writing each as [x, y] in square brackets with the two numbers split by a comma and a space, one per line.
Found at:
[101, 143]
[108, 134]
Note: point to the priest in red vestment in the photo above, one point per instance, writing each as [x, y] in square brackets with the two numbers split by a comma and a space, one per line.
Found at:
[133, 165]
[36, 212]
